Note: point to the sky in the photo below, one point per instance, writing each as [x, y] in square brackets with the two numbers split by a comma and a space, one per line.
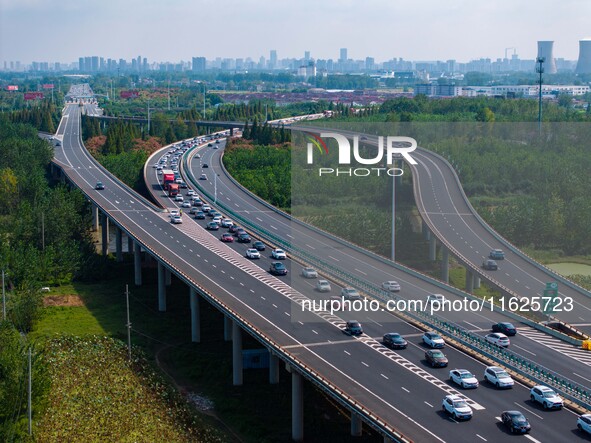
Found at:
[175, 30]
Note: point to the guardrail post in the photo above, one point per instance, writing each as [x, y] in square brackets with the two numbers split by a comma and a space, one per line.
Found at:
[273, 368]
[195, 316]
[236, 354]
[161, 287]
[137, 264]
[119, 244]
[432, 248]
[227, 328]
[469, 281]
[95, 218]
[356, 424]
[297, 407]
[105, 233]
[168, 276]
[444, 264]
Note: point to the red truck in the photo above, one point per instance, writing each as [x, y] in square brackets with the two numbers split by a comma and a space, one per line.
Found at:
[173, 189]
[167, 178]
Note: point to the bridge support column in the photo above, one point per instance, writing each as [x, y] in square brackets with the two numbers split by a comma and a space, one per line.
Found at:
[105, 234]
[273, 368]
[137, 264]
[168, 277]
[119, 244]
[195, 317]
[231, 132]
[95, 218]
[356, 425]
[432, 248]
[469, 281]
[476, 281]
[129, 244]
[444, 264]
[161, 287]
[425, 229]
[297, 407]
[236, 354]
[147, 258]
[227, 328]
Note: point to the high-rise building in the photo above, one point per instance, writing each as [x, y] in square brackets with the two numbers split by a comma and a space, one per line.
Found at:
[343, 57]
[198, 64]
[584, 62]
[306, 55]
[546, 50]
[273, 59]
[81, 64]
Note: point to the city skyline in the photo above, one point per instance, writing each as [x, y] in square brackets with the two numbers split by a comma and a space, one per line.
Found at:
[179, 30]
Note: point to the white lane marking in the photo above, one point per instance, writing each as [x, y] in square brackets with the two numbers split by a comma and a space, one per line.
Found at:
[471, 324]
[365, 364]
[288, 314]
[481, 437]
[404, 389]
[273, 227]
[274, 305]
[528, 409]
[347, 352]
[529, 437]
[525, 350]
[360, 271]
[335, 259]
[580, 376]
[314, 332]
[384, 376]
[428, 404]
[311, 247]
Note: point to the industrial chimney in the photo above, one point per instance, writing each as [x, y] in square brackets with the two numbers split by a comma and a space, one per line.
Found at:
[584, 63]
[545, 49]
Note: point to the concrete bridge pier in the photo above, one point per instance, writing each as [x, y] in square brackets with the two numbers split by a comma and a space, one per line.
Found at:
[95, 218]
[236, 354]
[273, 368]
[227, 328]
[105, 234]
[297, 406]
[432, 248]
[356, 425]
[195, 316]
[469, 280]
[444, 264]
[161, 287]
[137, 264]
[119, 244]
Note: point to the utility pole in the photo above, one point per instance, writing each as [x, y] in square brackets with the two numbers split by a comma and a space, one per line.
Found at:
[169, 93]
[393, 254]
[29, 396]
[3, 298]
[540, 70]
[148, 117]
[128, 323]
[203, 100]
[43, 231]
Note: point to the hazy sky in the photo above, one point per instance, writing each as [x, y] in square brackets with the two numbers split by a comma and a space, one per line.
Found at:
[174, 30]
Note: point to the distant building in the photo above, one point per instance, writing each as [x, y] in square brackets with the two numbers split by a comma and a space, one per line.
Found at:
[198, 64]
[584, 62]
[343, 57]
[546, 50]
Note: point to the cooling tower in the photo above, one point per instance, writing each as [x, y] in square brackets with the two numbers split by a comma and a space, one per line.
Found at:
[545, 50]
[584, 63]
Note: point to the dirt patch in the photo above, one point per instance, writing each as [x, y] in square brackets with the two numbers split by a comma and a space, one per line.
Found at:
[62, 300]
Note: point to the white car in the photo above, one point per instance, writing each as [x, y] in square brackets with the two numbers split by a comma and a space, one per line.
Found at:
[457, 407]
[190, 193]
[463, 378]
[173, 212]
[392, 286]
[498, 377]
[546, 397]
[278, 254]
[435, 299]
[350, 294]
[217, 220]
[584, 423]
[498, 339]
[433, 340]
[252, 253]
[309, 273]
[179, 198]
[186, 204]
[176, 219]
[323, 286]
[206, 208]
[159, 171]
[226, 223]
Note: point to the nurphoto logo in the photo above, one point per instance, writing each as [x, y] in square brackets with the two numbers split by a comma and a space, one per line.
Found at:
[395, 148]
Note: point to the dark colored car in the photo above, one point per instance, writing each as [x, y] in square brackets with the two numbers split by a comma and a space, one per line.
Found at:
[239, 231]
[516, 422]
[436, 358]
[234, 228]
[497, 254]
[242, 238]
[99, 186]
[205, 165]
[200, 215]
[213, 214]
[227, 238]
[490, 265]
[278, 268]
[505, 328]
[259, 245]
[353, 327]
[213, 226]
[394, 341]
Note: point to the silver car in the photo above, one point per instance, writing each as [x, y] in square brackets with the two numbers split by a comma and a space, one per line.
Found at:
[309, 273]
[323, 286]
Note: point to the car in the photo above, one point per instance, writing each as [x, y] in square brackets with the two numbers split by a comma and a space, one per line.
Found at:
[217, 141]
[200, 215]
[496, 254]
[393, 340]
[433, 340]
[490, 265]
[217, 219]
[156, 165]
[252, 253]
[173, 212]
[498, 339]
[186, 204]
[209, 145]
[176, 219]
[160, 172]
[546, 396]
[183, 185]
[436, 358]
[350, 294]
[99, 186]
[194, 210]
[463, 378]
[353, 327]
[197, 156]
[277, 268]
[226, 223]
[203, 177]
[213, 226]
[498, 377]
[227, 238]
[505, 328]
[214, 214]
[178, 181]
[205, 165]
[197, 202]
[516, 422]
[309, 273]
[584, 423]
[179, 198]
[435, 299]
[234, 229]
[206, 208]
[323, 286]
[457, 407]
[278, 254]
[243, 238]
[58, 144]
[392, 286]
[259, 245]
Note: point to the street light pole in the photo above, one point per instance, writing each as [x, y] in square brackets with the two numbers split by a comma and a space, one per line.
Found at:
[540, 70]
